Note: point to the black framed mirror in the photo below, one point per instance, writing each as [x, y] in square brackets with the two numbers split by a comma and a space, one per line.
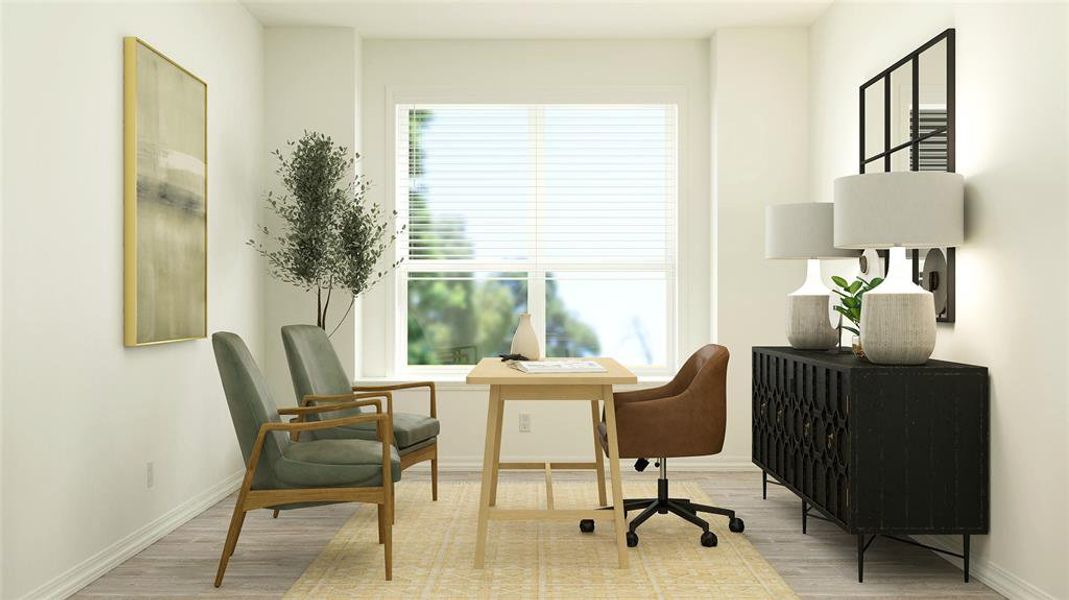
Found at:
[907, 124]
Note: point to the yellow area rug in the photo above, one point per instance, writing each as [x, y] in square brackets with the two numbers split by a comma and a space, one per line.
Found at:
[434, 543]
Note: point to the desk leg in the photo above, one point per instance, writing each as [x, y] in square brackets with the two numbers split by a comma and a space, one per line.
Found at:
[614, 473]
[489, 470]
[599, 460]
[497, 449]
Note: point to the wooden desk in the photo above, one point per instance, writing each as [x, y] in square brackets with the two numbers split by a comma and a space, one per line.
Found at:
[507, 383]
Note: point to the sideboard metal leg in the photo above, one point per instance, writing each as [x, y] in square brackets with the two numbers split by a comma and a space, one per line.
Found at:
[764, 484]
[860, 558]
[965, 555]
[805, 513]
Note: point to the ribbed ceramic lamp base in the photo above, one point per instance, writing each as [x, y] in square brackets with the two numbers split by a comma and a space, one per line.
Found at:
[898, 329]
[808, 324]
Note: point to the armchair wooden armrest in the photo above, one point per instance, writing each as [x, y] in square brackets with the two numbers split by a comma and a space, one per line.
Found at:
[383, 426]
[316, 398]
[405, 386]
[334, 404]
[313, 399]
[309, 409]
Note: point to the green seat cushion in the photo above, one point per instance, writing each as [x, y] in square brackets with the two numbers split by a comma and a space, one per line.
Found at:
[417, 446]
[408, 430]
[335, 463]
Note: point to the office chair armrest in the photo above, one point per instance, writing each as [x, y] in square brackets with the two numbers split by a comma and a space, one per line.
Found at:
[405, 386]
[680, 425]
[644, 395]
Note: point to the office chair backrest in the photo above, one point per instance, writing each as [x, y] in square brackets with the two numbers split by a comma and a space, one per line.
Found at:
[704, 376]
[706, 368]
[250, 403]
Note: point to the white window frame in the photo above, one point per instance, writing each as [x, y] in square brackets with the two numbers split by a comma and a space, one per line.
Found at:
[397, 340]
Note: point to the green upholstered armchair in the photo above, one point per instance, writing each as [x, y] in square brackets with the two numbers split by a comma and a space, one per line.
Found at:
[318, 376]
[284, 474]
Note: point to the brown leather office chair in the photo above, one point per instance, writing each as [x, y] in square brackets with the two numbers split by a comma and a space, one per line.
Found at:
[686, 417]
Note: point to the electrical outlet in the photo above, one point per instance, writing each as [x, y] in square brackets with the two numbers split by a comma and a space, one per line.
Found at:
[150, 474]
[525, 422]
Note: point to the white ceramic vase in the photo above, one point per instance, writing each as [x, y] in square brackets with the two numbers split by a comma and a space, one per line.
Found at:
[525, 341]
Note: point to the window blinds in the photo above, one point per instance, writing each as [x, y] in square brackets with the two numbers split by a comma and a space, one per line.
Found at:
[537, 186]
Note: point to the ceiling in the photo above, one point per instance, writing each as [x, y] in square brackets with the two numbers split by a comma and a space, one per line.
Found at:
[537, 19]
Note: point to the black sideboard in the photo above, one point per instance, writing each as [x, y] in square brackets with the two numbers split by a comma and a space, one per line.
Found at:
[879, 450]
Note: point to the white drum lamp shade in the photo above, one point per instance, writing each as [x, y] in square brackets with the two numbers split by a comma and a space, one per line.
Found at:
[909, 209]
[804, 231]
[898, 211]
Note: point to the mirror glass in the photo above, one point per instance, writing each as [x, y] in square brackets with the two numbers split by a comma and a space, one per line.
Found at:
[874, 125]
[901, 104]
[933, 154]
[900, 159]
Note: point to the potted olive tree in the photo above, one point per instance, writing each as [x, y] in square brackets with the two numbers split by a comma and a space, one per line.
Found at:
[330, 239]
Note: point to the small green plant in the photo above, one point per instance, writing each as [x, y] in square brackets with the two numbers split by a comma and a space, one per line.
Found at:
[850, 296]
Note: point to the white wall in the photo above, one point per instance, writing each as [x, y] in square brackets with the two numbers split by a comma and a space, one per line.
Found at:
[760, 140]
[82, 414]
[536, 71]
[1, 297]
[310, 83]
[1012, 149]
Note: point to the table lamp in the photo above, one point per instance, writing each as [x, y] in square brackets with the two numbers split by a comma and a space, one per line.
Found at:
[897, 211]
[804, 231]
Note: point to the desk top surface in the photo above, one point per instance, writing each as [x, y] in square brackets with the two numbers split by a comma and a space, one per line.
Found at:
[492, 371]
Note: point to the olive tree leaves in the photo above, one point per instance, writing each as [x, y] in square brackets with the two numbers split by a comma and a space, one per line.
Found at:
[329, 237]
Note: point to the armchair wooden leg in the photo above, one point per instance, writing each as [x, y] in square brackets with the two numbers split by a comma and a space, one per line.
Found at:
[240, 525]
[434, 476]
[382, 522]
[388, 541]
[275, 514]
[236, 522]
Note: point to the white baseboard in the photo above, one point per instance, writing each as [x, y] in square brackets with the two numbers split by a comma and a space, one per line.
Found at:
[724, 464]
[987, 572]
[87, 571]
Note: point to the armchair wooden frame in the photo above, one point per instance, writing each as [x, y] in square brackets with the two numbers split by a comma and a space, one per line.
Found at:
[427, 453]
[250, 499]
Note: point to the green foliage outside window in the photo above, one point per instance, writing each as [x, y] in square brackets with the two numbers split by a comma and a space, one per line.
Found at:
[458, 318]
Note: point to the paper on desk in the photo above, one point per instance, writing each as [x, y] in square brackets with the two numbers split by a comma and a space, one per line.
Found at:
[556, 366]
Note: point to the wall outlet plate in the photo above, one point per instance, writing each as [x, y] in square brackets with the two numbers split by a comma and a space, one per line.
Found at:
[525, 422]
[150, 475]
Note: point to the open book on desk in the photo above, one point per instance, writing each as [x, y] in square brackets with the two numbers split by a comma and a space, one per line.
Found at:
[535, 367]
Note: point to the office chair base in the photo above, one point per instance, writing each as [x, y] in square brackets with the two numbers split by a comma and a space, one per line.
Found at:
[681, 507]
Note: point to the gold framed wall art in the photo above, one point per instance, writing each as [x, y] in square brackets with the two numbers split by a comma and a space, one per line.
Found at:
[165, 198]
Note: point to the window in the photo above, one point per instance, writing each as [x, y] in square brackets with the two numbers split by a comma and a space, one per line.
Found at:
[563, 211]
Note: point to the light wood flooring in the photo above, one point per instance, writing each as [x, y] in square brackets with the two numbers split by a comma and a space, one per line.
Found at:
[272, 554]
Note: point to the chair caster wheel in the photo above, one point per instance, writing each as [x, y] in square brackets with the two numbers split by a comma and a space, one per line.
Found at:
[632, 539]
[709, 539]
[736, 525]
[586, 525]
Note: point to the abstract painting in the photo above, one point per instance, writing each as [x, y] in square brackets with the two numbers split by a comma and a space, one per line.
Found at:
[165, 198]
